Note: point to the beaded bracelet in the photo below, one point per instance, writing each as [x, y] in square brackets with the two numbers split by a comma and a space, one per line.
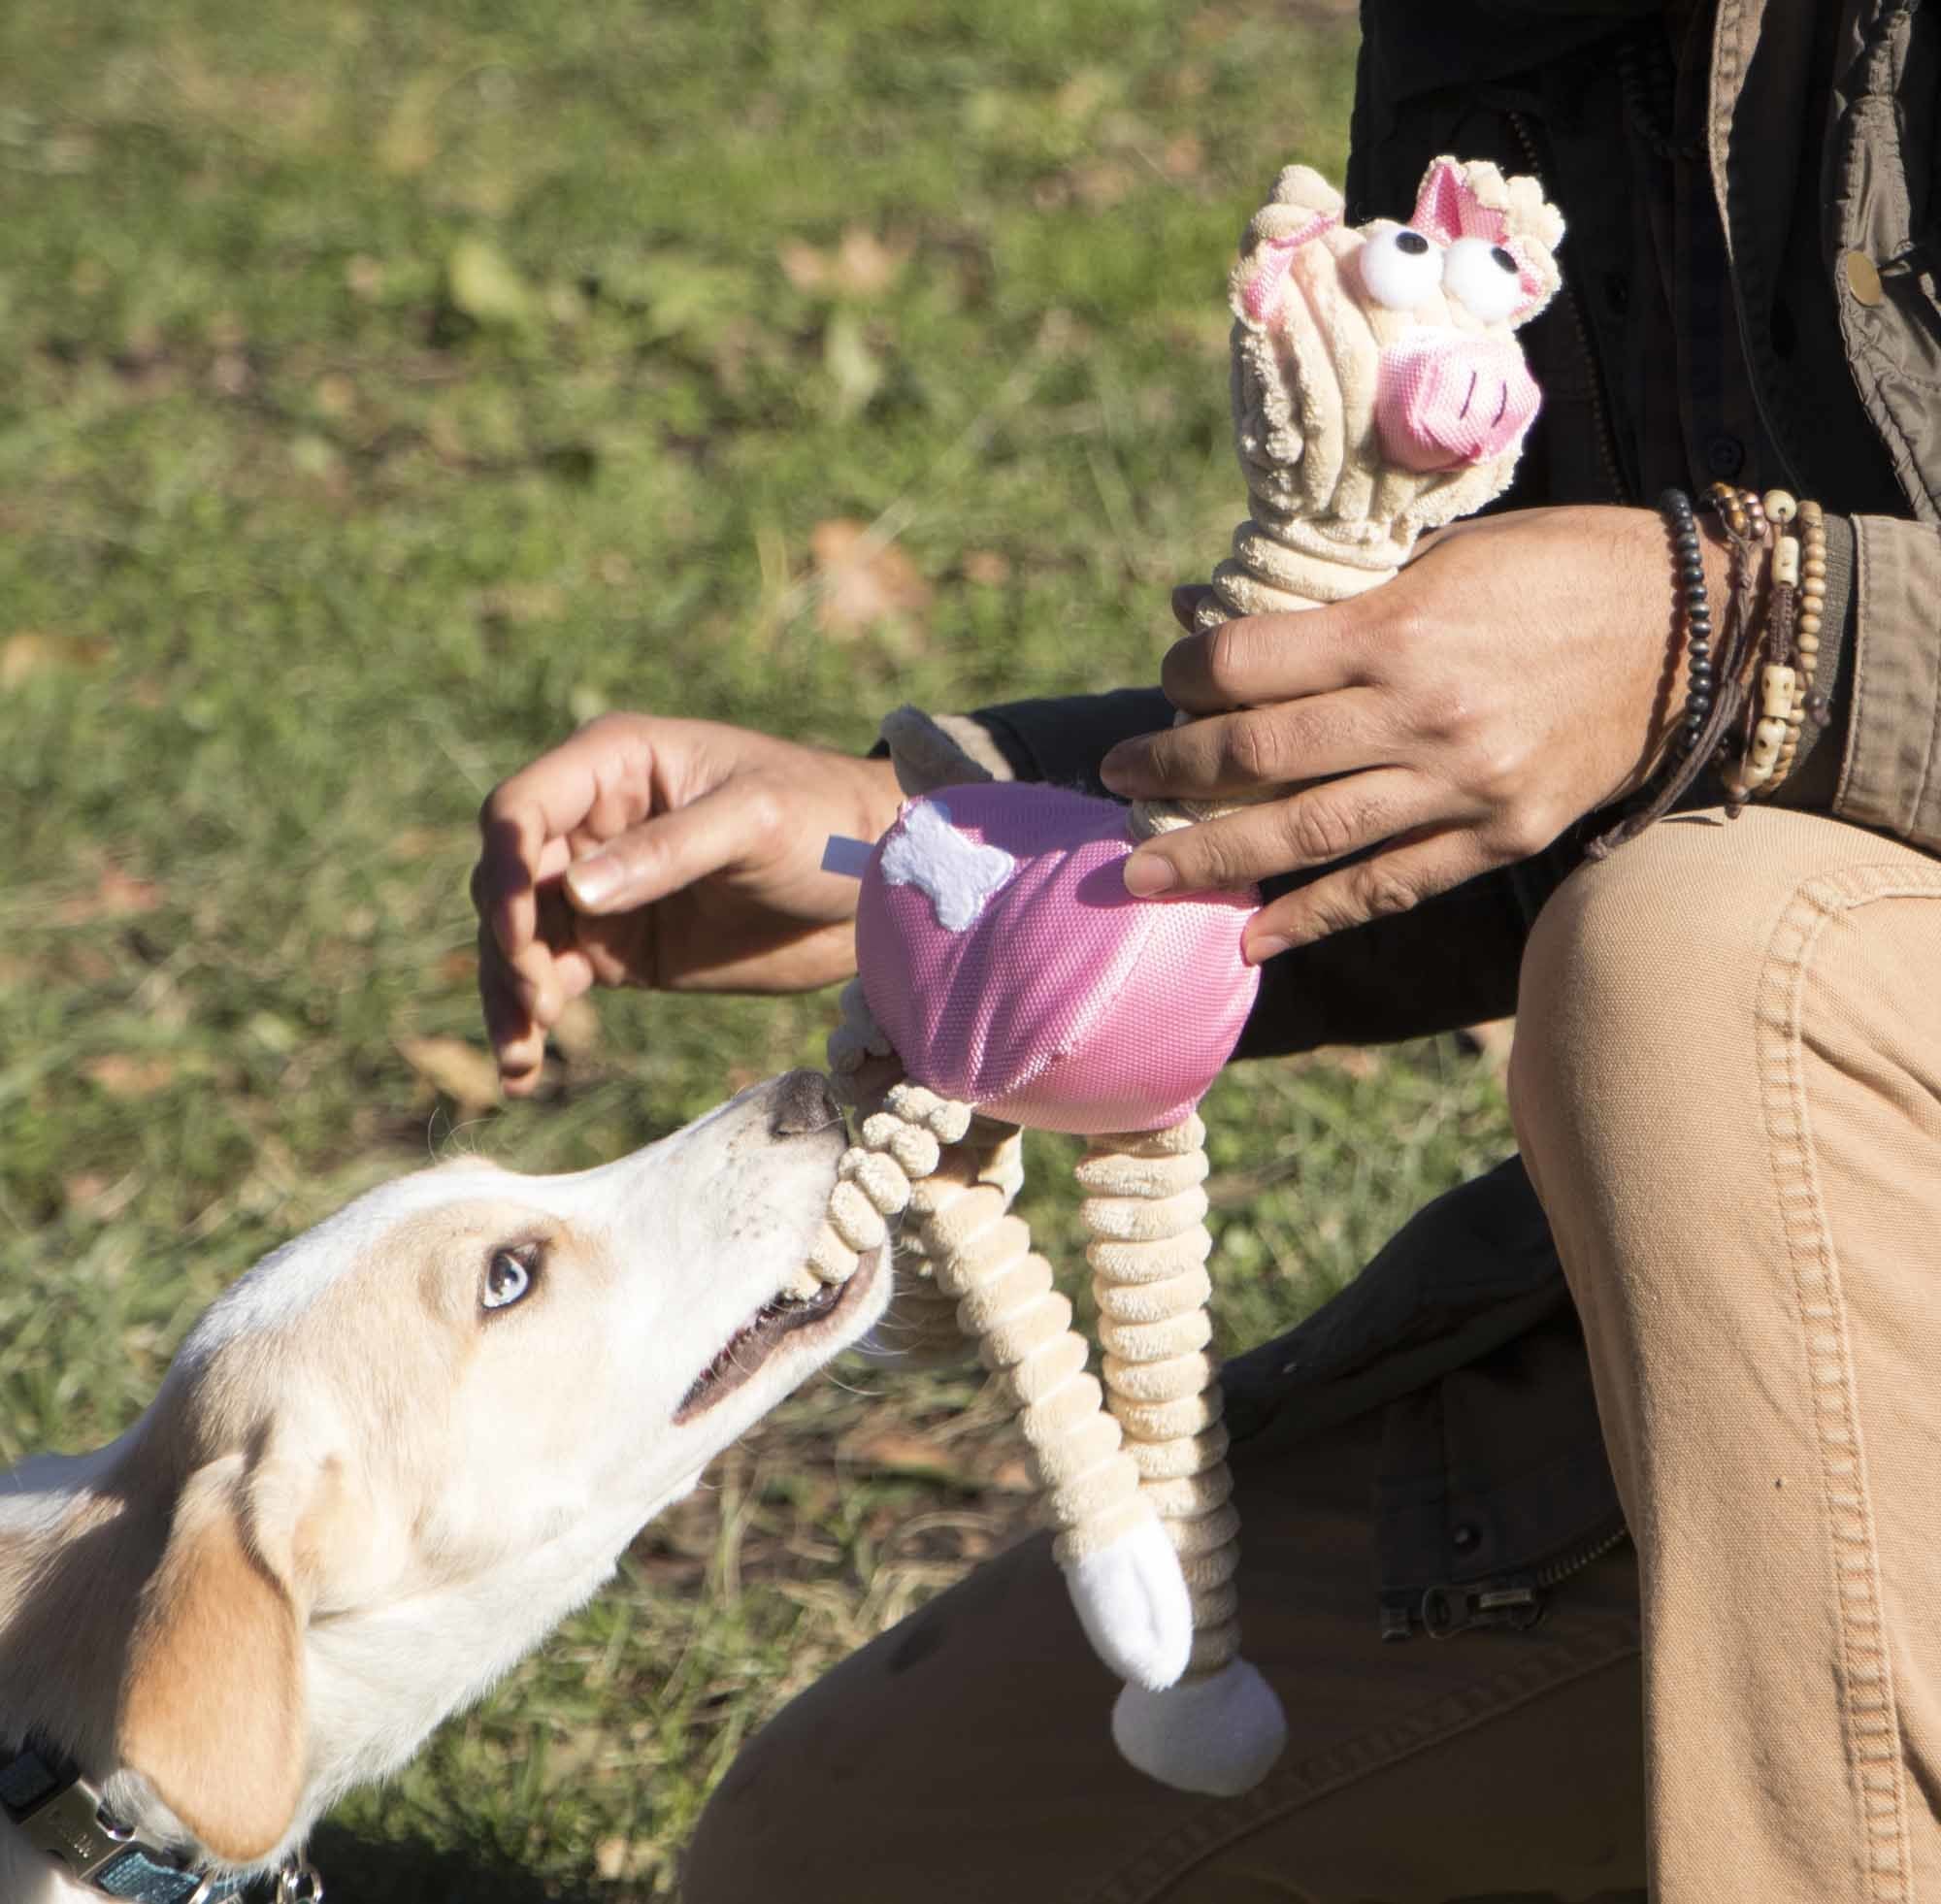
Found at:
[1705, 710]
[1808, 711]
[1774, 642]
[1788, 651]
[1742, 516]
[1695, 613]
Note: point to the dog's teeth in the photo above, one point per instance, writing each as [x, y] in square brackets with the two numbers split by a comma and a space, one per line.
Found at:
[804, 1286]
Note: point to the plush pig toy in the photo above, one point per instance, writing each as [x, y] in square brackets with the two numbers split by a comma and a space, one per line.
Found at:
[1007, 979]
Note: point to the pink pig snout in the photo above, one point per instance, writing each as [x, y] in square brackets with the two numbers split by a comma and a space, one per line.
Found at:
[1443, 401]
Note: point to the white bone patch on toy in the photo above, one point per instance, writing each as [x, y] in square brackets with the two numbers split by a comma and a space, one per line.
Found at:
[956, 875]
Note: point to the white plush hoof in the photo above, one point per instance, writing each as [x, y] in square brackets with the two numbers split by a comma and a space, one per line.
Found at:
[1217, 1735]
[1132, 1603]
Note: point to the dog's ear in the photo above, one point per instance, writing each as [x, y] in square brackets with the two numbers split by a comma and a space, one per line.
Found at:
[212, 1708]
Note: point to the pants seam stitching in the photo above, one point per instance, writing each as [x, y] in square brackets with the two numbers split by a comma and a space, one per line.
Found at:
[1868, 1708]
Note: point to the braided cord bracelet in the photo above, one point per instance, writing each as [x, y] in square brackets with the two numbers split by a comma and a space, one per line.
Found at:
[1707, 709]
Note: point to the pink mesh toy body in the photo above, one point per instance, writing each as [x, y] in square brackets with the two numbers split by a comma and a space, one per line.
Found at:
[1006, 979]
[1057, 1005]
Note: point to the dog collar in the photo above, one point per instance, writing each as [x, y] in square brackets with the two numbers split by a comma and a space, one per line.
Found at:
[64, 1817]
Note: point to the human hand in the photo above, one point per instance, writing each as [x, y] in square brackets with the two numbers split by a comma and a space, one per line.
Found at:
[1520, 673]
[679, 855]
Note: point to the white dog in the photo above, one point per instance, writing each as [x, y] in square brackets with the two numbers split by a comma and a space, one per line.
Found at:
[385, 1465]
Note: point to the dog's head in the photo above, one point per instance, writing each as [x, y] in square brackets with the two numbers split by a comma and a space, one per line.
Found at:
[406, 1444]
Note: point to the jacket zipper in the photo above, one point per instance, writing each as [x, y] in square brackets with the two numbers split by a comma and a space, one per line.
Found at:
[1577, 1559]
[1513, 1600]
[1607, 442]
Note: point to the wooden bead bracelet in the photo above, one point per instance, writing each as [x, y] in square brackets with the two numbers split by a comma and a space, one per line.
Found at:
[1750, 690]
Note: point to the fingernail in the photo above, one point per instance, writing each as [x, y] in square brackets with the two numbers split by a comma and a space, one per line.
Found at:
[1109, 770]
[593, 881]
[1269, 945]
[1146, 874]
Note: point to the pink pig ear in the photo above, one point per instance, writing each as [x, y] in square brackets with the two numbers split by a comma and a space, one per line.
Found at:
[1447, 207]
[1277, 232]
[1474, 200]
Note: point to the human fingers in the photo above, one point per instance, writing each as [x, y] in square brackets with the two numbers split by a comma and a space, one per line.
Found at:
[1256, 659]
[517, 1039]
[555, 856]
[1394, 879]
[672, 850]
[599, 779]
[521, 1007]
[1305, 739]
[1312, 826]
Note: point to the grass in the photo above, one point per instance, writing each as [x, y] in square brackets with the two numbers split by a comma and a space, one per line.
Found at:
[385, 390]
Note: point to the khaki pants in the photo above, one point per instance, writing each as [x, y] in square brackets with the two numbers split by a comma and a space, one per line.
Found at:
[1727, 1086]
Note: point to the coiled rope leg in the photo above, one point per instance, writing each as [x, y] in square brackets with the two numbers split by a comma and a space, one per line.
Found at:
[955, 1174]
[1220, 1728]
[1146, 1218]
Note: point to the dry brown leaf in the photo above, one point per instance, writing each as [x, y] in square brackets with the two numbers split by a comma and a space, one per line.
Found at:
[82, 1192]
[32, 652]
[863, 582]
[861, 266]
[1184, 158]
[334, 394]
[901, 1452]
[803, 264]
[230, 374]
[99, 1198]
[458, 1070]
[617, 1857]
[122, 1074]
[1102, 184]
[865, 266]
[117, 895]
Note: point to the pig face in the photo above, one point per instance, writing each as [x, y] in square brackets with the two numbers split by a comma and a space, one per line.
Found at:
[1377, 372]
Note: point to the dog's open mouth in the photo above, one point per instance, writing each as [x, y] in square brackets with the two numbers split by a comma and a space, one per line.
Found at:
[780, 1317]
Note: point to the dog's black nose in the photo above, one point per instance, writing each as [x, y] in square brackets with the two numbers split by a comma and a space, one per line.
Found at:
[800, 1104]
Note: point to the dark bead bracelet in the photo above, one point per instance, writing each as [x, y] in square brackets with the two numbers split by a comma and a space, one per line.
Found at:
[1695, 613]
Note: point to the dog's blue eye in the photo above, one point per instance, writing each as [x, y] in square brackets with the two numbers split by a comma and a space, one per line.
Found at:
[507, 1277]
